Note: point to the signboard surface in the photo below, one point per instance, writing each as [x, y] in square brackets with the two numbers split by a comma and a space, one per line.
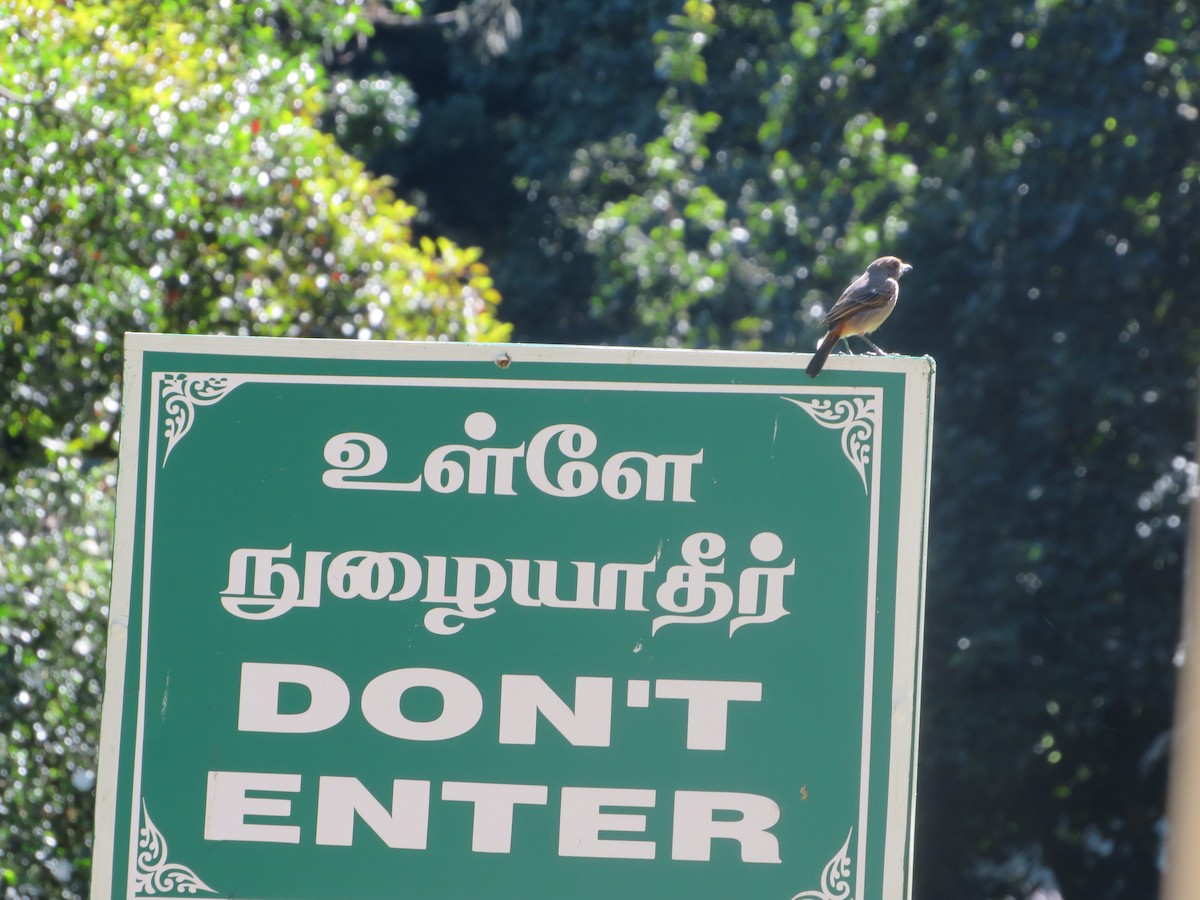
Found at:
[442, 621]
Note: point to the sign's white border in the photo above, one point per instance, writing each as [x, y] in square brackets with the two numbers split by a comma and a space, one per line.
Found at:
[910, 575]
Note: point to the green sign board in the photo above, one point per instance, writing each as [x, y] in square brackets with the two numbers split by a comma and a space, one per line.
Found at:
[397, 620]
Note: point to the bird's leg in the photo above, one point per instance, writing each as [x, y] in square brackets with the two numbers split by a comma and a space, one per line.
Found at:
[872, 345]
[846, 344]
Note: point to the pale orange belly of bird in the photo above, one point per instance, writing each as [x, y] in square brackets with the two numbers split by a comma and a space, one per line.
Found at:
[866, 322]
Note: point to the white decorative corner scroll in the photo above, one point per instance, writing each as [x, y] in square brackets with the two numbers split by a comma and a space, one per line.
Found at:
[154, 875]
[858, 420]
[181, 394]
[835, 877]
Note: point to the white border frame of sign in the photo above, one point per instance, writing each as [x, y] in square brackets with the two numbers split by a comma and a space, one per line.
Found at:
[910, 574]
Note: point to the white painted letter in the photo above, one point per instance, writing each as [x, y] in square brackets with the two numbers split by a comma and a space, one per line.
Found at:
[405, 827]
[708, 706]
[581, 822]
[491, 831]
[258, 704]
[227, 807]
[522, 697]
[573, 479]
[695, 827]
[462, 704]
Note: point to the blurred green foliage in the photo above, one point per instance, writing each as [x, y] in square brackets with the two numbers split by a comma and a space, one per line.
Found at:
[163, 168]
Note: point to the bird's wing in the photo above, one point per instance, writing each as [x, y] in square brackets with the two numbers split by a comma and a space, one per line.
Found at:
[862, 294]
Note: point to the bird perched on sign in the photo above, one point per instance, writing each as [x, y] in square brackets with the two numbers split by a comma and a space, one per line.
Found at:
[861, 309]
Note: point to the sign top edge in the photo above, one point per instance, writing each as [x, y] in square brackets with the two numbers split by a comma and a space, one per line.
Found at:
[341, 348]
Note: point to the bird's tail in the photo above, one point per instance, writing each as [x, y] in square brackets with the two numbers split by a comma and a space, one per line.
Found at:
[822, 354]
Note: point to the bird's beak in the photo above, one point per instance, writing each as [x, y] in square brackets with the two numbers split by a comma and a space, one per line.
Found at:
[905, 269]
